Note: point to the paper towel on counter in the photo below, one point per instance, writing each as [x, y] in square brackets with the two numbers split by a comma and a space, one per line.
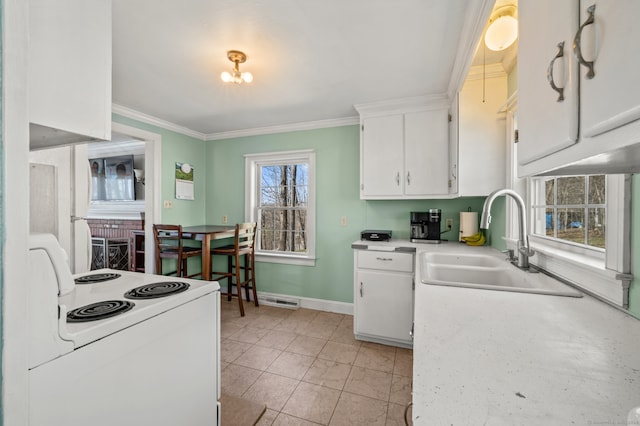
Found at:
[468, 224]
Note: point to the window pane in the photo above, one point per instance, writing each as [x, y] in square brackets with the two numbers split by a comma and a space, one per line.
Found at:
[596, 230]
[549, 187]
[283, 208]
[571, 225]
[597, 186]
[571, 190]
[543, 221]
[549, 223]
[574, 209]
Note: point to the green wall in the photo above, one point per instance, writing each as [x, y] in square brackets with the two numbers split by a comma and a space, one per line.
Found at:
[337, 176]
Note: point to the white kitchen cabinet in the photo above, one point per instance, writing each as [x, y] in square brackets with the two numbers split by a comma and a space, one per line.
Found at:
[383, 297]
[70, 69]
[546, 124]
[481, 136]
[612, 97]
[404, 151]
[595, 127]
[381, 165]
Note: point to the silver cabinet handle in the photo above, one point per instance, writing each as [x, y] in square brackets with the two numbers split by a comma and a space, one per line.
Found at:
[360, 288]
[408, 178]
[577, 43]
[398, 179]
[384, 259]
[560, 90]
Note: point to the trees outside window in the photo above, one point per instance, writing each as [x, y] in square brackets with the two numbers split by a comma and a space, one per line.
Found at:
[284, 194]
[280, 197]
[574, 209]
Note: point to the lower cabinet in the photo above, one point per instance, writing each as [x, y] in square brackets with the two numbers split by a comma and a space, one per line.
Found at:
[383, 297]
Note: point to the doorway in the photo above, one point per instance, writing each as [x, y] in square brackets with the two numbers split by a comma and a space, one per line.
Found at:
[146, 148]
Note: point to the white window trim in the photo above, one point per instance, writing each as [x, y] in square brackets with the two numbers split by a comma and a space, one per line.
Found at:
[607, 277]
[251, 183]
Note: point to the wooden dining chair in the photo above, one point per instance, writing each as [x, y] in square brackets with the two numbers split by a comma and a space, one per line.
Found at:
[243, 247]
[170, 245]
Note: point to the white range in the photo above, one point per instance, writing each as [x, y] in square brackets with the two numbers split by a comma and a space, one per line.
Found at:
[150, 358]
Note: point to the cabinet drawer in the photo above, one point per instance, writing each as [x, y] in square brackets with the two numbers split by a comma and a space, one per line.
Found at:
[388, 261]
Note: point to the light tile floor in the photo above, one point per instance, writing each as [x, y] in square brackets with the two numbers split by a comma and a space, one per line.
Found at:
[308, 369]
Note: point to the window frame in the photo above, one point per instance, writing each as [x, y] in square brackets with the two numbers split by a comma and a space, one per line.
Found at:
[252, 162]
[602, 273]
[536, 185]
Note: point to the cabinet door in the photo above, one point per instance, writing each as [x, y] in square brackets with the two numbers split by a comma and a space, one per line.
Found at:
[384, 304]
[612, 97]
[546, 124]
[481, 137]
[70, 66]
[426, 157]
[381, 156]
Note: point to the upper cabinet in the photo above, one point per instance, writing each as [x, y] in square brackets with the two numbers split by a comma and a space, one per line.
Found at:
[404, 150]
[69, 71]
[578, 91]
[547, 117]
[481, 149]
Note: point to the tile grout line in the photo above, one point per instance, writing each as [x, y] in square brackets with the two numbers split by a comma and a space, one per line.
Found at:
[298, 331]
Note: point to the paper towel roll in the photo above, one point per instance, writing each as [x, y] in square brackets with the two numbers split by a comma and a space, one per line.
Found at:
[468, 224]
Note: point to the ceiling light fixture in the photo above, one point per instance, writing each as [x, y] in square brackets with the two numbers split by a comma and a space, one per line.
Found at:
[503, 28]
[235, 76]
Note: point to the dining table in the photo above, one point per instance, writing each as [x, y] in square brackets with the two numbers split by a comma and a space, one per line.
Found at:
[206, 234]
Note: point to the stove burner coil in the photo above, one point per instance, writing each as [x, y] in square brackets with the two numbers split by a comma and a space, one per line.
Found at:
[99, 310]
[97, 278]
[155, 290]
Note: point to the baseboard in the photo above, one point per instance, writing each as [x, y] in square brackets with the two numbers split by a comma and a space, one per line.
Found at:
[310, 303]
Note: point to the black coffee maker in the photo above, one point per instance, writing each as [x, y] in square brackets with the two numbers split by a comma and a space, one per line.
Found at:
[425, 226]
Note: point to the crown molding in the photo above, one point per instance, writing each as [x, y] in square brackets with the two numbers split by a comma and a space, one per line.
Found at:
[478, 14]
[403, 105]
[149, 119]
[309, 125]
[284, 128]
[490, 71]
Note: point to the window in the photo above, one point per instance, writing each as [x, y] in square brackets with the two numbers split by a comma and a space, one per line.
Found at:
[280, 197]
[580, 231]
[571, 209]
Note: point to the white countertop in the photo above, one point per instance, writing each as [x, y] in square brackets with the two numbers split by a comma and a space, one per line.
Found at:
[504, 358]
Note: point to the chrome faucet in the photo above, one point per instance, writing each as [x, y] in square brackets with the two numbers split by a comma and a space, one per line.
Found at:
[524, 251]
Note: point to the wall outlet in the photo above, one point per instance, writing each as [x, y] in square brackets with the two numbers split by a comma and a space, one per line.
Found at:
[343, 221]
[449, 223]
[224, 219]
[168, 204]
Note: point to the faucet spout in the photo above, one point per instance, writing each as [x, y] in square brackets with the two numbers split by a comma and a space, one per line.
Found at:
[524, 251]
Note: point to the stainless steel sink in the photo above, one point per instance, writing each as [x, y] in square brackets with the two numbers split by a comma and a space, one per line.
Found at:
[487, 272]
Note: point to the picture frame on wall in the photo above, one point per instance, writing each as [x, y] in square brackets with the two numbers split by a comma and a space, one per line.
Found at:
[119, 178]
[97, 179]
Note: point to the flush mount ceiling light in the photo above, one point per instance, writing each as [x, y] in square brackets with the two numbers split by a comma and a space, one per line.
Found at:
[503, 28]
[235, 76]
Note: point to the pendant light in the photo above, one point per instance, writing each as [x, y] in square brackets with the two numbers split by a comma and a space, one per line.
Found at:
[235, 76]
[503, 28]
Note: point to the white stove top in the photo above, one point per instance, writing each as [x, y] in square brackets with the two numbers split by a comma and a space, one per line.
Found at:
[82, 333]
[54, 293]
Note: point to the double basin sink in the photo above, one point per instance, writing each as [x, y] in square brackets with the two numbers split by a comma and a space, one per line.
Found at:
[487, 271]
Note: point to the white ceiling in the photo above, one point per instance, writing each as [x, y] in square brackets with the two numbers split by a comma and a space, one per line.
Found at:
[312, 60]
